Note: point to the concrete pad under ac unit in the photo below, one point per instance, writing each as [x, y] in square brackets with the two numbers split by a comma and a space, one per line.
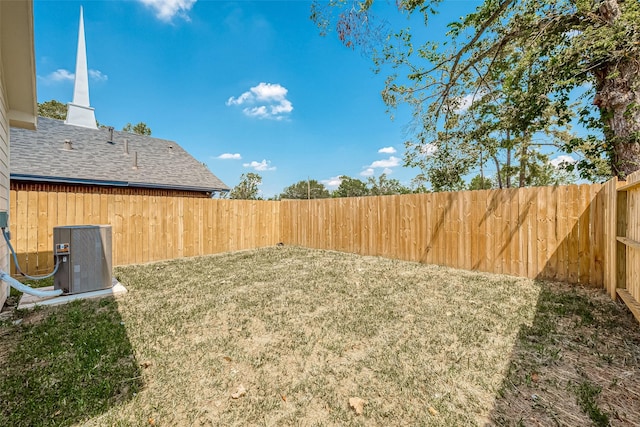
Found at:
[30, 301]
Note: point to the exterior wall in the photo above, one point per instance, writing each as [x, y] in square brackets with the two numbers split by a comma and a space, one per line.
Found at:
[4, 177]
[18, 106]
[96, 189]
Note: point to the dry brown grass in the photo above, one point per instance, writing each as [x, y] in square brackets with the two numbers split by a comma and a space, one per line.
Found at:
[577, 364]
[304, 331]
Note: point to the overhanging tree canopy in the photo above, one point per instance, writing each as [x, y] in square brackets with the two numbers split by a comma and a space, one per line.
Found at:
[553, 48]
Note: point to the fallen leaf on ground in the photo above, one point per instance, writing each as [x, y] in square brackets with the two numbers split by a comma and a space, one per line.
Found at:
[227, 359]
[534, 377]
[357, 404]
[238, 394]
[284, 398]
[152, 422]
[433, 411]
[145, 364]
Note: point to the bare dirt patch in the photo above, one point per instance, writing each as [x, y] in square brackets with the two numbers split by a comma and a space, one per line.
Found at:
[301, 332]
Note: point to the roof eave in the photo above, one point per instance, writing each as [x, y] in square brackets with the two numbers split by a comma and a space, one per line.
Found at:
[178, 187]
[18, 62]
[63, 180]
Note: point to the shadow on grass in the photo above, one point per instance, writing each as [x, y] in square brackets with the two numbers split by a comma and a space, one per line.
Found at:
[62, 365]
[577, 364]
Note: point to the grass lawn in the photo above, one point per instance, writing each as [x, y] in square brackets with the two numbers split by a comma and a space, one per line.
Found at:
[287, 336]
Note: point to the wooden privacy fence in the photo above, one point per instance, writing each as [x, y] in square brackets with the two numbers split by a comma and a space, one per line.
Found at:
[587, 234]
[549, 232]
[624, 280]
[546, 232]
[144, 228]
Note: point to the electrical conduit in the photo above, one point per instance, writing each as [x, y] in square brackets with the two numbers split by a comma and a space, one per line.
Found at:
[27, 289]
[22, 287]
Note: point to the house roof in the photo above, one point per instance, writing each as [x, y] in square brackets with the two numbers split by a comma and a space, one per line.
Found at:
[43, 156]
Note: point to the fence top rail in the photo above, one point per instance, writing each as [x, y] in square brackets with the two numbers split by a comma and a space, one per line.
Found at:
[630, 187]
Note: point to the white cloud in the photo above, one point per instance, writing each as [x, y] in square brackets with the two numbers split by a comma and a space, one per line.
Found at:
[572, 33]
[98, 76]
[62, 75]
[387, 150]
[264, 165]
[428, 149]
[260, 112]
[385, 165]
[166, 10]
[231, 156]
[391, 162]
[268, 91]
[333, 182]
[465, 102]
[264, 101]
[562, 159]
[240, 100]
[284, 107]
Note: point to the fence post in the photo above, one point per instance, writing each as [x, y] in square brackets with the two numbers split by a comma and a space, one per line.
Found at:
[610, 231]
[621, 248]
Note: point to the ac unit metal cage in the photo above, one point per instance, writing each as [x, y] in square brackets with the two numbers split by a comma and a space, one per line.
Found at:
[84, 253]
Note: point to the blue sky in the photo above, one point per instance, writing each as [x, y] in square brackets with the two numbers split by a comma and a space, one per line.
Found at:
[245, 86]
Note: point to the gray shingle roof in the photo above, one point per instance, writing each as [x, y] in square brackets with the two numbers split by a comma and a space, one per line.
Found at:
[41, 156]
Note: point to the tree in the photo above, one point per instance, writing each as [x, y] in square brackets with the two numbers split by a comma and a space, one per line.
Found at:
[479, 182]
[247, 188]
[351, 187]
[53, 109]
[419, 184]
[445, 167]
[496, 128]
[305, 189]
[141, 128]
[553, 48]
[543, 172]
[57, 110]
[384, 186]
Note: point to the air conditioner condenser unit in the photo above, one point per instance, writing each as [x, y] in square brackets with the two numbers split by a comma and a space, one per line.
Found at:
[84, 253]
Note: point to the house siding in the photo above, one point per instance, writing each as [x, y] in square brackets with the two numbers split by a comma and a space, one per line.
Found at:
[4, 176]
[47, 187]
